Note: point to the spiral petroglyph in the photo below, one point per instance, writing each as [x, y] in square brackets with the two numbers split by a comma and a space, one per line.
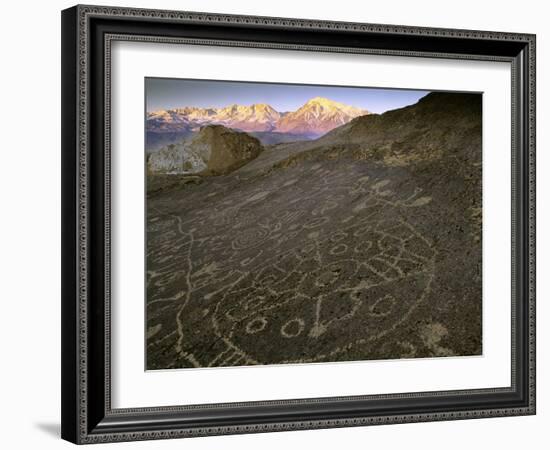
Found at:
[251, 237]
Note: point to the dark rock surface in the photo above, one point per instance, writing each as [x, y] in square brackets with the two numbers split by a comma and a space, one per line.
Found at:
[228, 149]
[364, 244]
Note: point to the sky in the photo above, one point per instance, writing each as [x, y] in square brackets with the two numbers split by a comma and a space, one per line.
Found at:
[168, 93]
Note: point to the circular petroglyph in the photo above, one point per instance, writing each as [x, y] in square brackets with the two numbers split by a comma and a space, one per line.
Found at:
[339, 249]
[256, 325]
[383, 306]
[325, 207]
[363, 247]
[292, 328]
[251, 237]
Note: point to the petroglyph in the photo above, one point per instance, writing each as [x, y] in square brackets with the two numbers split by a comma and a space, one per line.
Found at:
[232, 279]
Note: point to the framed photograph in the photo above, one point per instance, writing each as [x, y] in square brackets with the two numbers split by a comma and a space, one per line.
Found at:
[279, 224]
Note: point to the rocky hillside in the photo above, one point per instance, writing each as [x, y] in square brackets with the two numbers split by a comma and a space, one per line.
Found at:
[440, 125]
[438, 122]
[214, 150]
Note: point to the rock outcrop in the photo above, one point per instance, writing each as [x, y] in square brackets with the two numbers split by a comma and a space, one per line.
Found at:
[214, 150]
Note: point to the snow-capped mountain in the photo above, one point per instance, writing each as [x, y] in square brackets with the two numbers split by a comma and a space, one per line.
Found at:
[315, 118]
[257, 117]
[318, 116]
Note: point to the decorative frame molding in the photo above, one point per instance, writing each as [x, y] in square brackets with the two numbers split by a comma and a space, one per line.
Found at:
[88, 31]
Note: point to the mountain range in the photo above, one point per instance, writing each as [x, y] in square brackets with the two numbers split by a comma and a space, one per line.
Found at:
[313, 119]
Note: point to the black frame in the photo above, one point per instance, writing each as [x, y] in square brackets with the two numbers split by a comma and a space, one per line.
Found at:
[87, 32]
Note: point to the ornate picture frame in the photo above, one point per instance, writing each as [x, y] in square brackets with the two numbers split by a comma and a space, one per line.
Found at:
[88, 33]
